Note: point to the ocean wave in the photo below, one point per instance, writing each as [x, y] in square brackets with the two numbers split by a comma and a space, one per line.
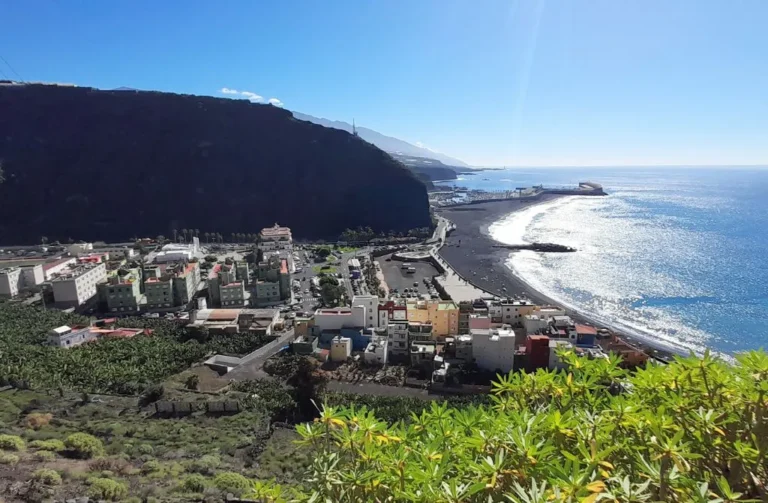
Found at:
[605, 280]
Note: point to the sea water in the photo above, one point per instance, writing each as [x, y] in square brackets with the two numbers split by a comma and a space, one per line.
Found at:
[678, 256]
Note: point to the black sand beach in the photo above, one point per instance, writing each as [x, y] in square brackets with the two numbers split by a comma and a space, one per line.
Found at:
[469, 250]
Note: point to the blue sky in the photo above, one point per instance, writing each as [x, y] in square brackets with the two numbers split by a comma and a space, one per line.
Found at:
[555, 82]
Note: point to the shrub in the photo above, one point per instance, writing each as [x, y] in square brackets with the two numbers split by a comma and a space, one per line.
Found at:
[195, 483]
[8, 459]
[45, 456]
[37, 420]
[11, 443]
[193, 382]
[48, 445]
[150, 466]
[206, 464]
[47, 476]
[151, 394]
[231, 481]
[84, 446]
[107, 489]
[145, 449]
[110, 465]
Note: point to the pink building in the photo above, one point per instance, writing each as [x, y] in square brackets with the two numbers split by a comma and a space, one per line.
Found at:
[479, 322]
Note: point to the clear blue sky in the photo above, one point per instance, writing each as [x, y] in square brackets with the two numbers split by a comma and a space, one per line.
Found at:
[556, 82]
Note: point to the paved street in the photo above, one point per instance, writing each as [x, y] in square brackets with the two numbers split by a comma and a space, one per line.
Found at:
[251, 368]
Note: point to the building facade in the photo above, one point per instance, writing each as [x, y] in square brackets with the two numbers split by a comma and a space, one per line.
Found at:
[11, 281]
[494, 350]
[442, 314]
[77, 285]
[122, 294]
[275, 238]
[397, 333]
[371, 304]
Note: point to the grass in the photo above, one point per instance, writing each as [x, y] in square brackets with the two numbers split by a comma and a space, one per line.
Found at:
[328, 269]
[347, 249]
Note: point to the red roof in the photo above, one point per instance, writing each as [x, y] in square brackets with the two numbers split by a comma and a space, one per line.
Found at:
[585, 329]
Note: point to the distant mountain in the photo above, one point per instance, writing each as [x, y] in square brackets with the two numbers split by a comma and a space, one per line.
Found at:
[386, 143]
[108, 165]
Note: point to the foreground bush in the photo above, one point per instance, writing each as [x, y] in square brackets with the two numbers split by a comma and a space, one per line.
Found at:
[694, 430]
[107, 489]
[11, 443]
[84, 446]
[8, 459]
[194, 483]
[230, 481]
[47, 477]
[48, 445]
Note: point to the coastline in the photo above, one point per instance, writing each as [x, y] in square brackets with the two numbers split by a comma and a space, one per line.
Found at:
[470, 250]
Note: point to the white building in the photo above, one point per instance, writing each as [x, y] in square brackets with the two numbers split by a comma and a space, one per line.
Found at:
[397, 334]
[494, 349]
[51, 269]
[340, 317]
[32, 275]
[341, 349]
[275, 238]
[554, 345]
[117, 251]
[75, 286]
[377, 351]
[11, 281]
[534, 322]
[371, 304]
[67, 337]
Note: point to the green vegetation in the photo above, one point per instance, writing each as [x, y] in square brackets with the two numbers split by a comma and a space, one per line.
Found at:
[230, 481]
[107, 489]
[52, 445]
[83, 445]
[194, 483]
[695, 430]
[47, 476]
[12, 443]
[8, 459]
[119, 366]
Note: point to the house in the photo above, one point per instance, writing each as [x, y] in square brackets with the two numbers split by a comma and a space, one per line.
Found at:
[423, 354]
[371, 304]
[442, 314]
[494, 349]
[11, 281]
[391, 311]
[77, 285]
[397, 334]
[419, 331]
[340, 317]
[67, 337]
[377, 351]
[224, 289]
[275, 238]
[122, 293]
[341, 349]
[555, 345]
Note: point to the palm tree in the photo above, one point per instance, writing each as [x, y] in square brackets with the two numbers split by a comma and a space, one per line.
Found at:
[184, 233]
[232, 237]
[197, 233]
[219, 237]
[207, 237]
[160, 238]
[175, 235]
[43, 240]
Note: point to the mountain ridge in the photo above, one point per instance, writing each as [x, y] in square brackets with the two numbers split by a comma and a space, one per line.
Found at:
[386, 143]
[91, 164]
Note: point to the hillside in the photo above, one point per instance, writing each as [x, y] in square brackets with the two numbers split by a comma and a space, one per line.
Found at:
[90, 164]
[384, 142]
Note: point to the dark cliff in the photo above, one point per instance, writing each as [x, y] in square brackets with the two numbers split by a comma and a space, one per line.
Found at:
[90, 164]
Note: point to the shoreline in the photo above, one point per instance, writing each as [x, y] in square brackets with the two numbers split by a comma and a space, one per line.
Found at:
[470, 250]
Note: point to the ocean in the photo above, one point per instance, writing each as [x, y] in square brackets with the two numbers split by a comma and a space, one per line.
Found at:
[675, 256]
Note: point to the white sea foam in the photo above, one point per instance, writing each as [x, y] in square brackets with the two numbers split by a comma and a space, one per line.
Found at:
[614, 271]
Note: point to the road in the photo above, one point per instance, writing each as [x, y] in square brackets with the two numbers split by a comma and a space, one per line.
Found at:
[344, 268]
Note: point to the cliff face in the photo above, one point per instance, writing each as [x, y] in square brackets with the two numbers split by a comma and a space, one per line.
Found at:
[110, 165]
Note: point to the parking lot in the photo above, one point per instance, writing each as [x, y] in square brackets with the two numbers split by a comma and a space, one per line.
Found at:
[397, 277]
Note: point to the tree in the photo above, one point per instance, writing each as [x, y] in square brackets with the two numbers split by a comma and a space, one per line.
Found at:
[323, 252]
[43, 240]
[160, 238]
[175, 235]
[185, 233]
[219, 237]
[197, 233]
[207, 237]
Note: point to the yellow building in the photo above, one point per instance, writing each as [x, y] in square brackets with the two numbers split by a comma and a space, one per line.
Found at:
[443, 314]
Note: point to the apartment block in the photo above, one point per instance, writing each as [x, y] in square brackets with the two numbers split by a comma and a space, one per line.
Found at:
[11, 281]
[77, 285]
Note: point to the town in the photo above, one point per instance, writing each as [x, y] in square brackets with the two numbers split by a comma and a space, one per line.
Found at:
[394, 315]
